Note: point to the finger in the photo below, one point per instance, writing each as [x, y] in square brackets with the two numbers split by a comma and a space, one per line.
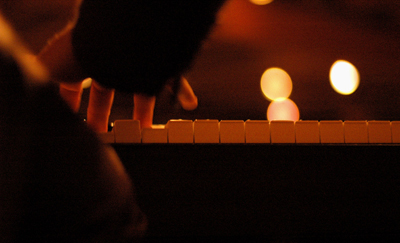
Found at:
[143, 109]
[99, 108]
[186, 96]
[72, 94]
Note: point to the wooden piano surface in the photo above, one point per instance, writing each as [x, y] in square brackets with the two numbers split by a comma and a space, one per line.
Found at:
[267, 192]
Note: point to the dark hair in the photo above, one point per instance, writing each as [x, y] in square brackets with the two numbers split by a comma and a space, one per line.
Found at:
[137, 45]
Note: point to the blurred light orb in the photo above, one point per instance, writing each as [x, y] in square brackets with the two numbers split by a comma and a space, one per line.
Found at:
[344, 77]
[261, 2]
[276, 83]
[284, 110]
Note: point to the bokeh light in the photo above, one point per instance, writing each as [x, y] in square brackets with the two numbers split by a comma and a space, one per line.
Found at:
[276, 83]
[283, 109]
[261, 2]
[344, 77]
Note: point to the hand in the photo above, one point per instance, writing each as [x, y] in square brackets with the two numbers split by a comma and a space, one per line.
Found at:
[186, 96]
[144, 105]
[58, 57]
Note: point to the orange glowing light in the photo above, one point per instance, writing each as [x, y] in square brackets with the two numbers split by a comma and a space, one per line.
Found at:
[276, 83]
[344, 77]
[283, 109]
[261, 2]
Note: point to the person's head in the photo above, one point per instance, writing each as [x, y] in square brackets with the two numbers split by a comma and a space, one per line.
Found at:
[137, 45]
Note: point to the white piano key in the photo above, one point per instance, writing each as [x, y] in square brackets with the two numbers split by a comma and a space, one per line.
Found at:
[282, 132]
[206, 131]
[395, 131]
[257, 131]
[379, 132]
[106, 137]
[356, 132]
[307, 132]
[180, 131]
[231, 131]
[127, 131]
[331, 131]
[155, 134]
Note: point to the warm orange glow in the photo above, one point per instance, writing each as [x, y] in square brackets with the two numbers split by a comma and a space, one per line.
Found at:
[261, 2]
[344, 77]
[87, 83]
[283, 109]
[276, 83]
[31, 67]
[239, 20]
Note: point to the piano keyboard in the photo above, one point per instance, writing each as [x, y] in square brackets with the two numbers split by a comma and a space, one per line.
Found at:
[255, 132]
[259, 192]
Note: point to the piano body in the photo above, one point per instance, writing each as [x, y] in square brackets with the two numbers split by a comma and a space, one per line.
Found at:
[268, 191]
[262, 185]
[278, 191]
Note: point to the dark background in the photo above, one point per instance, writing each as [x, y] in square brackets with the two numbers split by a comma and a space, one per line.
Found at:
[302, 37]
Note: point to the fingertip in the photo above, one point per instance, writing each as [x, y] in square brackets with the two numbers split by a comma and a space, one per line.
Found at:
[189, 104]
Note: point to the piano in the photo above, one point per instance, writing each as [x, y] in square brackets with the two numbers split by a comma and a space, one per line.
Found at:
[260, 190]
[277, 190]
